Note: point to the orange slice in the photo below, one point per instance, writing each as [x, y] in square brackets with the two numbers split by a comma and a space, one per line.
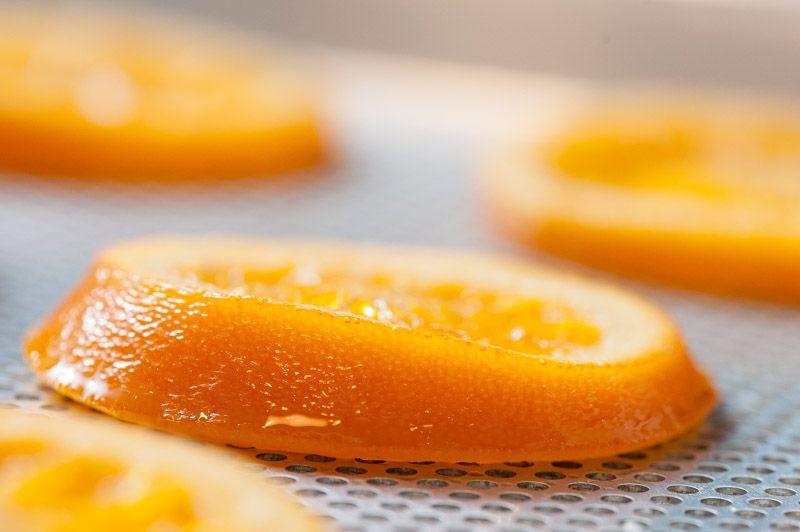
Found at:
[698, 192]
[60, 474]
[392, 353]
[111, 94]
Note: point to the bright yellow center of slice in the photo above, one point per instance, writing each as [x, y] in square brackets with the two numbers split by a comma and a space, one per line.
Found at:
[52, 491]
[712, 158]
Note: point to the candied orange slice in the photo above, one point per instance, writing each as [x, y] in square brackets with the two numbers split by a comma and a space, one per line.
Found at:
[59, 474]
[697, 192]
[112, 94]
[362, 351]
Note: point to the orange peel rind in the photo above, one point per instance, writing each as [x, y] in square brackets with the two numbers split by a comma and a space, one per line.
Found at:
[368, 351]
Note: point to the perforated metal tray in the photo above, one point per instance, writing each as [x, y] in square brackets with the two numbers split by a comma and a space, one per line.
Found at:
[740, 470]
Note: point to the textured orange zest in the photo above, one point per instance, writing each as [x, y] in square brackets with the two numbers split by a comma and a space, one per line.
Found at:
[699, 193]
[109, 94]
[64, 474]
[270, 344]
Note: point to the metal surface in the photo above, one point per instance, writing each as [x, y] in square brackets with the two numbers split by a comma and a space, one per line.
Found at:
[740, 470]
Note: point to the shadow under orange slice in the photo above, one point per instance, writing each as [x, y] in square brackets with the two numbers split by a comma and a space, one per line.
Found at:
[372, 352]
[61, 473]
[700, 191]
[106, 93]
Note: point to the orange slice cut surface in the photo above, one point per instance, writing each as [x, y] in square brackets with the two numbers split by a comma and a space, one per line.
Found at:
[60, 474]
[112, 94]
[699, 192]
[361, 351]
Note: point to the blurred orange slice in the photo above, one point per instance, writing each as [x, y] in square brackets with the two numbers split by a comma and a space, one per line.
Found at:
[698, 191]
[363, 351]
[59, 474]
[102, 93]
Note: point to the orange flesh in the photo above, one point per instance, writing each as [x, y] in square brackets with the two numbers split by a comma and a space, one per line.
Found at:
[685, 155]
[375, 365]
[89, 94]
[627, 158]
[491, 318]
[77, 494]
